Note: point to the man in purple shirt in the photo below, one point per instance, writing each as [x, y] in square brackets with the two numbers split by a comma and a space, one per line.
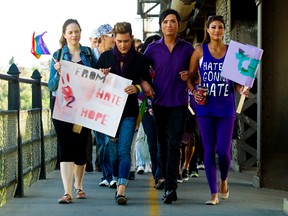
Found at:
[169, 58]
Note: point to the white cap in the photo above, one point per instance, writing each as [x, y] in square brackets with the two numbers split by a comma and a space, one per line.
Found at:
[94, 34]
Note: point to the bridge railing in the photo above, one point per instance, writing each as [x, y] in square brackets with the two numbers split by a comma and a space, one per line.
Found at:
[28, 143]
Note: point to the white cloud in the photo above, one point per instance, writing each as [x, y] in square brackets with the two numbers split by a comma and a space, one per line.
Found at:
[20, 18]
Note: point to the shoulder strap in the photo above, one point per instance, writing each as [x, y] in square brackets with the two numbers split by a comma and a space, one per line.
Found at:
[89, 51]
[59, 54]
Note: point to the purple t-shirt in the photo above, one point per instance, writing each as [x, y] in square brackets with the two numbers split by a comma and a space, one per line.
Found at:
[220, 99]
[169, 89]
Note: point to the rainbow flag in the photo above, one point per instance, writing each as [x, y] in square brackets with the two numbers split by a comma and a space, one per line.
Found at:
[38, 46]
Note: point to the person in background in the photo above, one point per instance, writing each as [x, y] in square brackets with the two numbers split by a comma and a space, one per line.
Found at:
[89, 166]
[189, 139]
[137, 42]
[105, 39]
[216, 117]
[148, 123]
[142, 152]
[73, 145]
[94, 39]
[124, 61]
[105, 42]
[170, 100]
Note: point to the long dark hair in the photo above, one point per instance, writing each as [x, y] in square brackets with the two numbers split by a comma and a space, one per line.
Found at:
[149, 40]
[63, 40]
[210, 19]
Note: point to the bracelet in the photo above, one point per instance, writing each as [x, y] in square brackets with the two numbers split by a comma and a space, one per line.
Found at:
[193, 90]
[140, 90]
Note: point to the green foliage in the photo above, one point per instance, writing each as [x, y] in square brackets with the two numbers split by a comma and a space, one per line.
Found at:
[3, 95]
[26, 90]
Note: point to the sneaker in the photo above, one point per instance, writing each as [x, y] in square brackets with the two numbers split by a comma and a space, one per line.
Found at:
[185, 175]
[66, 199]
[194, 174]
[80, 194]
[140, 169]
[201, 166]
[104, 183]
[113, 184]
[170, 196]
[179, 179]
[147, 168]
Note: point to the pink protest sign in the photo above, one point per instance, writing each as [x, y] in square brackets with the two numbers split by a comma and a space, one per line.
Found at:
[241, 63]
[87, 97]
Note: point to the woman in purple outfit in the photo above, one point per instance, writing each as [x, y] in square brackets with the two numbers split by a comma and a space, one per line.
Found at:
[216, 117]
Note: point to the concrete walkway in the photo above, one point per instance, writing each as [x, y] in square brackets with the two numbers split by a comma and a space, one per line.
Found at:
[143, 199]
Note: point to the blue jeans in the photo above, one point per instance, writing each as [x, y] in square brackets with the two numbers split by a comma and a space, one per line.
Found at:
[149, 127]
[120, 150]
[102, 142]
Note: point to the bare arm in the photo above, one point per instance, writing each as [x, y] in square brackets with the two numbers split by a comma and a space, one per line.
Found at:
[194, 68]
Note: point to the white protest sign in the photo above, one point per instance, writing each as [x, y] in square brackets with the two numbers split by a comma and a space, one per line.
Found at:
[87, 97]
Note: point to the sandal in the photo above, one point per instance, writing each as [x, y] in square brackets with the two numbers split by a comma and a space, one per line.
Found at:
[212, 202]
[66, 199]
[80, 194]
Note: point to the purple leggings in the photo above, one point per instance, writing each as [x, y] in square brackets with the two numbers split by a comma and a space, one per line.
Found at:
[216, 133]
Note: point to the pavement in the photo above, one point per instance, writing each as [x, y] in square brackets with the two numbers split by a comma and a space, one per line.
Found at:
[143, 199]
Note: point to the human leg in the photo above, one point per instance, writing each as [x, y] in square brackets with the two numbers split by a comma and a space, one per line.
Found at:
[78, 181]
[126, 134]
[102, 141]
[66, 158]
[149, 127]
[188, 139]
[133, 158]
[208, 130]
[189, 151]
[106, 166]
[171, 127]
[139, 151]
[67, 171]
[175, 131]
[89, 165]
[80, 160]
[161, 121]
[224, 142]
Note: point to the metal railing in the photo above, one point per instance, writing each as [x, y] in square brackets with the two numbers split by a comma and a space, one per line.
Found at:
[28, 143]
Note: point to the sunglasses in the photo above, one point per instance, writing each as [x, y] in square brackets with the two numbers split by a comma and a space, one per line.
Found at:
[215, 17]
[109, 35]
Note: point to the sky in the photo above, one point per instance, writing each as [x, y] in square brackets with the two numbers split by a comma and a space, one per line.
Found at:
[19, 19]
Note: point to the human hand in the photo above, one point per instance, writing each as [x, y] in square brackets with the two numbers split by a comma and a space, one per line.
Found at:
[57, 67]
[148, 90]
[200, 95]
[184, 75]
[105, 71]
[242, 90]
[131, 89]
